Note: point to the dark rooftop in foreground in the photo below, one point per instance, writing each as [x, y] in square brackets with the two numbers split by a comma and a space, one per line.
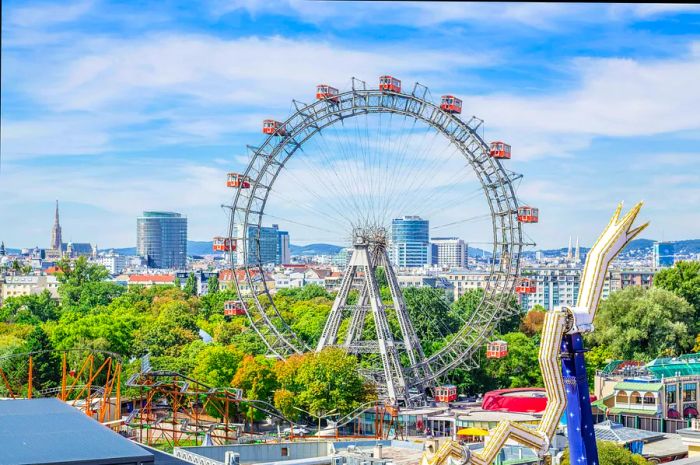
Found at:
[49, 431]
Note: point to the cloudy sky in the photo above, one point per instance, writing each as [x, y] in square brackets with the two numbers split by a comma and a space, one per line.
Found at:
[116, 108]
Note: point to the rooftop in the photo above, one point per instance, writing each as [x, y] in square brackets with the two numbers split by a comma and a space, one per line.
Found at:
[49, 431]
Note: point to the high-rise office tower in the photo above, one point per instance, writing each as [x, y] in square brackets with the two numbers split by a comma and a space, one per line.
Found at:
[161, 238]
[410, 245]
[449, 252]
[664, 254]
[264, 245]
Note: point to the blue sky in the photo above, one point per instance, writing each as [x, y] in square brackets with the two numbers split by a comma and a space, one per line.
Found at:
[118, 107]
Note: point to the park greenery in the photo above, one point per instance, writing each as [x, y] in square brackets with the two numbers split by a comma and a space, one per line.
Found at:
[167, 321]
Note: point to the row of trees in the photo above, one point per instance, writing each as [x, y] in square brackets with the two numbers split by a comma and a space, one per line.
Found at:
[166, 322]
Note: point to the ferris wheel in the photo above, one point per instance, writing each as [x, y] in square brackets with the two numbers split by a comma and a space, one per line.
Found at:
[348, 169]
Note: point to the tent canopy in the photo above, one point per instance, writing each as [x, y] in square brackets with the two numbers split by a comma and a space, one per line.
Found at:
[472, 432]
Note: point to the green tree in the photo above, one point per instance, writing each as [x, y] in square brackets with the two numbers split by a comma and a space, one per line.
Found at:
[190, 287]
[308, 292]
[216, 365]
[321, 382]
[213, 284]
[610, 453]
[683, 280]
[30, 309]
[74, 275]
[46, 372]
[256, 377]
[520, 368]
[430, 314]
[174, 327]
[642, 324]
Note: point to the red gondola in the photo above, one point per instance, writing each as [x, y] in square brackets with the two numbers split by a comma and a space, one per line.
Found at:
[234, 308]
[499, 150]
[223, 244]
[451, 104]
[237, 180]
[497, 349]
[271, 126]
[447, 393]
[528, 214]
[326, 92]
[525, 286]
[389, 84]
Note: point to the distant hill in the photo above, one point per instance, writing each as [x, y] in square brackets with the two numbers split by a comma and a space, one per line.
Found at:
[315, 249]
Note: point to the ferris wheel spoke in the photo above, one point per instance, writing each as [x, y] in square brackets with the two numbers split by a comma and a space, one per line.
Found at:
[406, 178]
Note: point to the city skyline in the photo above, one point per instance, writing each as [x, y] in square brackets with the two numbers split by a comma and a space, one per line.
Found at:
[110, 140]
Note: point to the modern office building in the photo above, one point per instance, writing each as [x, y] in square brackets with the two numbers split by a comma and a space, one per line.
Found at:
[161, 238]
[410, 245]
[663, 254]
[266, 245]
[449, 252]
[284, 255]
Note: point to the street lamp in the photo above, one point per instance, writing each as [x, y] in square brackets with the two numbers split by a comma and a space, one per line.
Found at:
[320, 417]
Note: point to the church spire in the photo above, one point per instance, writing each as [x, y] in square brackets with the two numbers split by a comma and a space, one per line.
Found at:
[56, 239]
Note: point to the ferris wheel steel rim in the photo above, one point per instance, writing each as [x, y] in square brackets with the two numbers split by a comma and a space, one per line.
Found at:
[268, 160]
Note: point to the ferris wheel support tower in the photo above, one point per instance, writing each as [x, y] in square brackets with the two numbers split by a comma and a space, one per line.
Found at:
[369, 252]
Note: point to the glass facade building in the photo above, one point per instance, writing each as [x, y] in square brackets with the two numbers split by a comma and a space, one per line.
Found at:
[663, 254]
[161, 238]
[269, 248]
[283, 250]
[410, 244]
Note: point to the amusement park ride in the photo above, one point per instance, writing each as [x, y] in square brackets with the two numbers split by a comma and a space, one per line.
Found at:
[561, 352]
[400, 384]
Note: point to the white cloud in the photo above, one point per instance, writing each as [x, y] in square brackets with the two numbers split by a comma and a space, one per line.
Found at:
[615, 98]
[210, 70]
[44, 14]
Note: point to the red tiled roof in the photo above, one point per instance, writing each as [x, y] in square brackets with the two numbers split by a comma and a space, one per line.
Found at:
[151, 278]
[226, 275]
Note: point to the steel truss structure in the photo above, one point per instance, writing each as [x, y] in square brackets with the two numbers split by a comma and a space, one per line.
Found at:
[172, 407]
[369, 252]
[267, 162]
[92, 386]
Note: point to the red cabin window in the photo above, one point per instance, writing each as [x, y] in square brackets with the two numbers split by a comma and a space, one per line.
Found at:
[271, 126]
[497, 349]
[234, 308]
[326, 92]
[223, 244]
[525, 286]
[499, 150]
[389, 84]
[237, 180]
[447, 393]
[528, 214]
[451, 104]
